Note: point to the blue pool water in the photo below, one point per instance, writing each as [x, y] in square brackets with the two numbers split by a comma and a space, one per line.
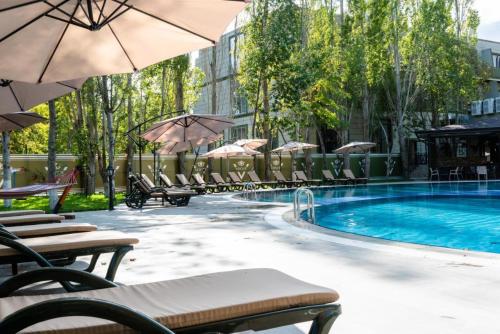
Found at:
[453, 215]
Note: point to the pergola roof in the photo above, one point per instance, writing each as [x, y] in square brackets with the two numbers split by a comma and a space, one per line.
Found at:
[477, 126]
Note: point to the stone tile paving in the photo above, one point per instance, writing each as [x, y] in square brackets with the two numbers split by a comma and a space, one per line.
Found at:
[381, 292]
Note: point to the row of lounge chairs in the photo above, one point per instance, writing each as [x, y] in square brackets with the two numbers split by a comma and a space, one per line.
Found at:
[33, 236]
[236, 183]
[225, 302]
[143, 189]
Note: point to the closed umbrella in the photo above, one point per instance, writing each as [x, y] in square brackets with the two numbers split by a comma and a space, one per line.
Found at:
[21, 96]
[54, 40]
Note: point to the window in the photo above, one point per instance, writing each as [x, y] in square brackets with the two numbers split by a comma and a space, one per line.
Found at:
[496, 60]
[239, 132]
[240, 104]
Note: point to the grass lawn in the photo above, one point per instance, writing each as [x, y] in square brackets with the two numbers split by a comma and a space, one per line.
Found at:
[73, 203]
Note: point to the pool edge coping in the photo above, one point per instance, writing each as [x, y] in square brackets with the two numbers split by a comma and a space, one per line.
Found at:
[280, 216]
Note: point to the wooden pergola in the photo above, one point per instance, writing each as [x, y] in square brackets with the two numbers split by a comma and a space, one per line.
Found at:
[476, 143]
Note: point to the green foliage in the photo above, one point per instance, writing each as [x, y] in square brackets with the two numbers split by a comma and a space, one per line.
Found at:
[73, 203]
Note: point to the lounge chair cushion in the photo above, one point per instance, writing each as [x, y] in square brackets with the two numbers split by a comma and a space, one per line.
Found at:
[29, 231]
[74, 241]
[30, 219]
[15, 213]
[187, 302]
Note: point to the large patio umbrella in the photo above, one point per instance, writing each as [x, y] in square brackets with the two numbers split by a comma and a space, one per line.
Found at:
[356, 147]
[186, 128]
[178, 147]
[173, 147]
[21, 96]
[10, 122]
[15, 98]
[251, 143]
[293, 147]
[230, 150]
[54, 40]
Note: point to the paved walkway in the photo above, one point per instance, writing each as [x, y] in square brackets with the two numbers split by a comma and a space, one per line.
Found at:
[381, 291]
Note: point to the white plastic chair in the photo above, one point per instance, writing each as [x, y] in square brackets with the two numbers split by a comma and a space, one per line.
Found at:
[433, 172]
[482, 171]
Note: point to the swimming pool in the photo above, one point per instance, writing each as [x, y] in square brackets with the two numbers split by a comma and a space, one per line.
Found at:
[463, 215]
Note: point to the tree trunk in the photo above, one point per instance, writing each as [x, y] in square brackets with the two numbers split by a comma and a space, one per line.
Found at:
[266, 129]
[101, 155]
[109, 173]
[322, 146]
[213, 105]
[91, 123]
[308, 156]
[51, 159]
[6, 166]
[399, 103]
[130, 142]
[163, 87]
[179, 107]
[366, 112]
[111, 157]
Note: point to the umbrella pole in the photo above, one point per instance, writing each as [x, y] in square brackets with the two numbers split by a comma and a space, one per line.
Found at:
[194, 162]
[140, 153]
[154, 165]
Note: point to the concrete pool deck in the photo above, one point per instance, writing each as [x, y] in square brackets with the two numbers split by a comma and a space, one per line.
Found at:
[384, 288]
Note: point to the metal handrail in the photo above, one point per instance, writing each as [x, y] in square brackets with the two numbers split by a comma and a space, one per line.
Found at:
[249, 188]
[311, 213]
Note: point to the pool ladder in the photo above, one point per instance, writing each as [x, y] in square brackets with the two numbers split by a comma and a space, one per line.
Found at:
[249, 190]
[297, 196]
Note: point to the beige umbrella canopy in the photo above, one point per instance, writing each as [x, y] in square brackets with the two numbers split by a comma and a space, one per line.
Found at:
[355, 147]
[21, 96]
[54, 40]
[19, 120]
[178, 147]
[230, 150]
[294, 146]
[187, 128]
[251, 143]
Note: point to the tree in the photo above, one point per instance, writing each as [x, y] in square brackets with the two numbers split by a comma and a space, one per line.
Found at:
[270, 36]
[51, 159]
